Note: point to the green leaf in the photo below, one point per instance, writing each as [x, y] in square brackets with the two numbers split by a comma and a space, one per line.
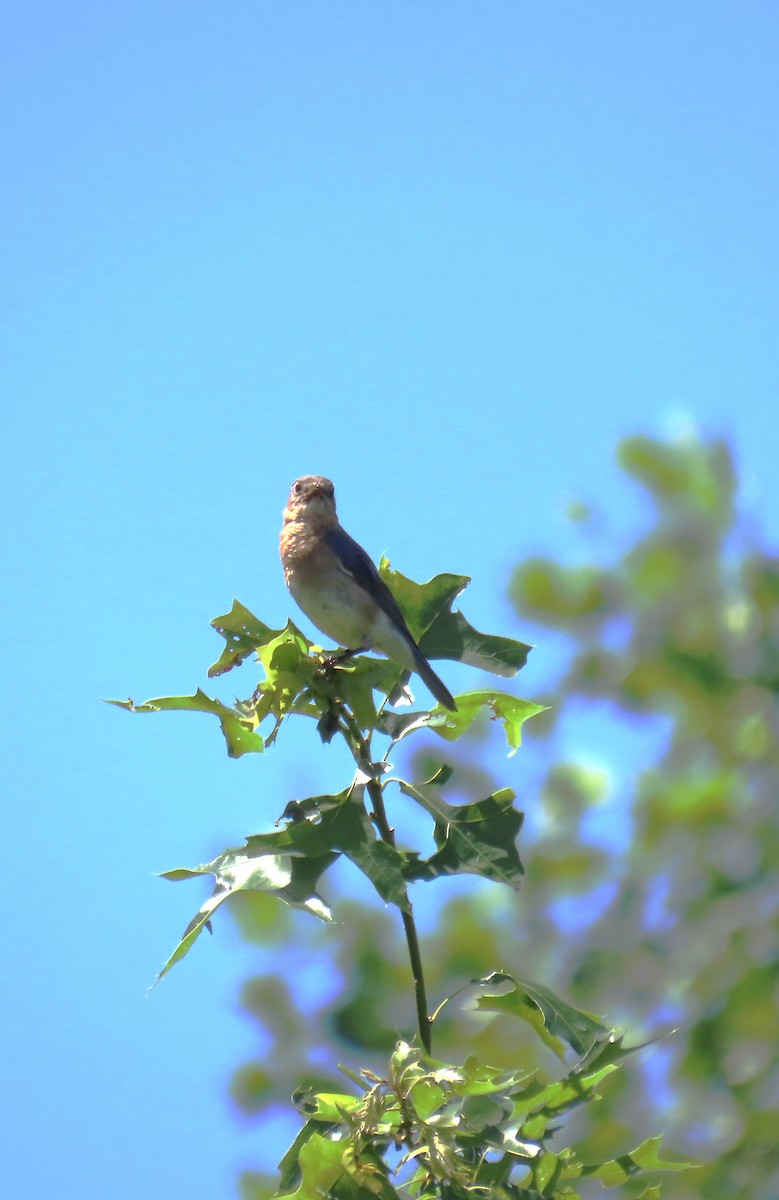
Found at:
[397, 725]
[339, 823]
[238, 728]
[244, 634]
[512, 711]
[290, 879]
[354, 682]
[442, 633]
[553, 594]
[546, 1101]
[289, 671]
[320, 1162]
[553, 1020]
[330, 1107]
[546, 1171]
[476, 839]
[644, 1158]
[289, 1166]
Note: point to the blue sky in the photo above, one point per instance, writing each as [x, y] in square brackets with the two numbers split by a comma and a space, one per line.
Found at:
[446, 254]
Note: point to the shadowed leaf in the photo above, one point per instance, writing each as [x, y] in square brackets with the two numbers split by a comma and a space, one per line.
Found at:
[617, 1171]
[553, 1020]
[476, 839]
[442, 633]
[340, 822]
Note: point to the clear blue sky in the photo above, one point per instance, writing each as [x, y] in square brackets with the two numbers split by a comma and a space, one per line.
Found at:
[445, 253]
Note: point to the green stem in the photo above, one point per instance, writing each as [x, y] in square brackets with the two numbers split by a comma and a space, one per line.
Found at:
[409, 924]
[361, 752]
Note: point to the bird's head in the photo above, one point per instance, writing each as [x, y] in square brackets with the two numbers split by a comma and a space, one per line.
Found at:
[311, 499]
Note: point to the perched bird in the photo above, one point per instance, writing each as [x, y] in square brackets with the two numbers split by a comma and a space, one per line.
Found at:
[338, 587]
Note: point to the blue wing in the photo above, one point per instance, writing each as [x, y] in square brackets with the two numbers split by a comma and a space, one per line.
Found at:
[357, 564]
[353, 560]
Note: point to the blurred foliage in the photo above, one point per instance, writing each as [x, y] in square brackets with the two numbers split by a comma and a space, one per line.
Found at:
[679, 635]
[676, 931]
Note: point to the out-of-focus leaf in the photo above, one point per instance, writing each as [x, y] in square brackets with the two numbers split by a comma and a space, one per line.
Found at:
[442, 633]
[553, 594]
[682, 472]
[555, 1021]
[545, 1171]
[251, 1086]
[475, 839]
[238, 729]
[510, 710]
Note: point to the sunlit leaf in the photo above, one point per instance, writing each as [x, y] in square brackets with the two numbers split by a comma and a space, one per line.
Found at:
[553, 593]
[509, 710]
[547, 1101]
[330, 1107]
[238, 729]
[290, 879]
[244, 634]
[340, 823]
[320, 1165]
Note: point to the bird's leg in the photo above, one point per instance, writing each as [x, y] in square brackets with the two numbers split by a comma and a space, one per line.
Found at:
[339, 656]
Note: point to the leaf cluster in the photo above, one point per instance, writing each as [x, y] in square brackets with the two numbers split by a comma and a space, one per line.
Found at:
[422, 1126]
[349, 697]
[430, 1129]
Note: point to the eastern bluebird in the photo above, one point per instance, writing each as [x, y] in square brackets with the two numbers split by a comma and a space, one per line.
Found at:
[338, 587]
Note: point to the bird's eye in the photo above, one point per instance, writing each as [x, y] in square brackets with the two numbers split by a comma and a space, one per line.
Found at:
[297, 489]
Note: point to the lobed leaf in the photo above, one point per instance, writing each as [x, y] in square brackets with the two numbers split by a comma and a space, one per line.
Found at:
[318, 1165]
[290, 879]
[442, 633]
[555, 1021]
[244, 634]
[288, 862]
[322, 824]
[617, 1171]
[448, 1119]
[239, 729]
[477, 838]
[512, 711]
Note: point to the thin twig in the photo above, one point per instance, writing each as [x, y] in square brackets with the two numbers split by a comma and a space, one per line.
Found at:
[409, 924]
[361, 752]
